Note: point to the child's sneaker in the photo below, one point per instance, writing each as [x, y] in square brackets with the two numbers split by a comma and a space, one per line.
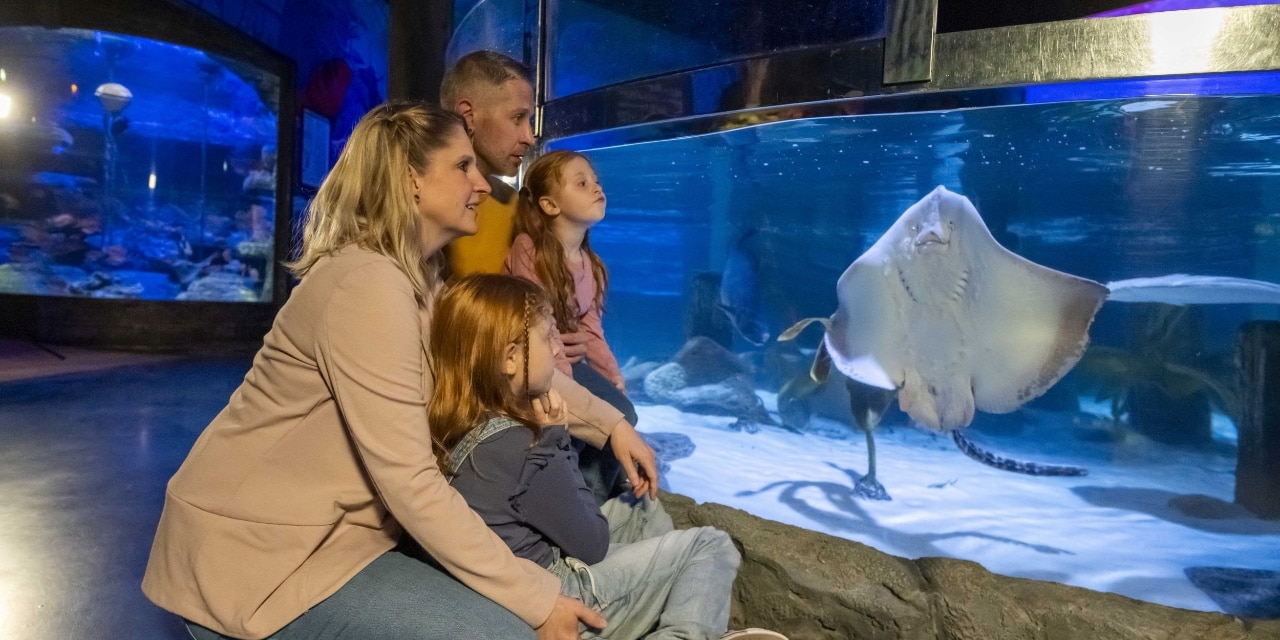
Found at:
[753, 634]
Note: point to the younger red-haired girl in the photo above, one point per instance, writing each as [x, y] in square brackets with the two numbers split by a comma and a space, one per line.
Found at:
[497, 429]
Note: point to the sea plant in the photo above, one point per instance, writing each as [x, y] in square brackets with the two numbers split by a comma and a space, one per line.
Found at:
[1153, 361]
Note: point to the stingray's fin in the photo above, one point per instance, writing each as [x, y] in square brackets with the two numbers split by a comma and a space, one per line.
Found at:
[795, 329]
[821, 367]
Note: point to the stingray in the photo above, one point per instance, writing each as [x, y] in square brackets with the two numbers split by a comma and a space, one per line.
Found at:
[938, 312]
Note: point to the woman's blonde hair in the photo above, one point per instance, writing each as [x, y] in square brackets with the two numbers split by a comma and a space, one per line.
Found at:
[474, 322]
[543, 178]
[366, 199]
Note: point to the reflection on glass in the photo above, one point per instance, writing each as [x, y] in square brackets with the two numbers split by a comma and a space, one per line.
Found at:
[460, 10]
[1182, 40]
[1160, 6]
[763, 219]
[134, 169]
[661, 36]
[493, 25]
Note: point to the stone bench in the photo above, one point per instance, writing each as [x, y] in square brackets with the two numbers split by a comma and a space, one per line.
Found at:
[813, 586]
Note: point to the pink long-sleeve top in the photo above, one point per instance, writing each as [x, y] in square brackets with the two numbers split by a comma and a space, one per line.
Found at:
[520, 260]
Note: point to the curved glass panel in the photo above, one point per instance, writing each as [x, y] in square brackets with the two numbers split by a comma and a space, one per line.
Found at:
[495, 25]
[460, 10]
[134, 169]
[763, 219]
[594, 43]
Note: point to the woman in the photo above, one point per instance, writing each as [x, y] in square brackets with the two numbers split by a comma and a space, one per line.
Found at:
[292, 499]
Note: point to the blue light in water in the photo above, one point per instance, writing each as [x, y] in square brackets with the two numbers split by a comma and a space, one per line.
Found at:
[1257, 83]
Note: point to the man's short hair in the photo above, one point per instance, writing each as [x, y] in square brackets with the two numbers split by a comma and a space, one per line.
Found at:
[478, 67]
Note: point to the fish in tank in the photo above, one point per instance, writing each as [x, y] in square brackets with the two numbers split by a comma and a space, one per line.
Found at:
[135, 169]
[717, 243]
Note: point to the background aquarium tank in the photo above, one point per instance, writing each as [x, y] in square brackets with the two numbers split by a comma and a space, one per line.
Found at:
[1104, 181]
[134, 168]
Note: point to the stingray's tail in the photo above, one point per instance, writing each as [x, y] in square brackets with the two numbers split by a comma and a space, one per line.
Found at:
[1017, 466]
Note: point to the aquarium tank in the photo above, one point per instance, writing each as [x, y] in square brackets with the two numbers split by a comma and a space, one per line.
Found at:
[135, 168]
[760, 151]
[735, 236]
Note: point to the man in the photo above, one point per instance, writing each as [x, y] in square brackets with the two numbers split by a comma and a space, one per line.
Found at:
[493, 94]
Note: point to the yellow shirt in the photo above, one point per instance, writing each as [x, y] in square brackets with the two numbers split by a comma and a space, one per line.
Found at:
[485, 251]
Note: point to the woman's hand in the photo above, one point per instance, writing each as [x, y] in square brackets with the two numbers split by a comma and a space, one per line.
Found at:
[637, 459]
[549, 409]
[621, 384]
[563, 622]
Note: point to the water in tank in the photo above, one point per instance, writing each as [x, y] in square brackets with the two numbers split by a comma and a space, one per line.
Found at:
[134, 168]
[718, 242]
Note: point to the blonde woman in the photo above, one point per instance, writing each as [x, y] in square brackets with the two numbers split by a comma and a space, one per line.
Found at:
[282, 521]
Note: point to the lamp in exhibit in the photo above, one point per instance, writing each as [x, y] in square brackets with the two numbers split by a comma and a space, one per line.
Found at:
[114, 98]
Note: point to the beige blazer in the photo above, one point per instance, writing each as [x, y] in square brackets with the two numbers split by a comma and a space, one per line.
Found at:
[319, 459]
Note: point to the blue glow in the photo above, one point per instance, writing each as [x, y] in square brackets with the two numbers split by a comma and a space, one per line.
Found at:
[1259, 83]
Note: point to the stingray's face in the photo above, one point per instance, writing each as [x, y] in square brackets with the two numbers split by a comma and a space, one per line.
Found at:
[930, 225]
[932, 232]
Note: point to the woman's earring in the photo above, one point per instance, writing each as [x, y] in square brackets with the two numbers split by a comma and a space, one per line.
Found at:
[416, 198]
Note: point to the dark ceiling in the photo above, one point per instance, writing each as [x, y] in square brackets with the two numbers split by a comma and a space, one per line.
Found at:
[773, 24]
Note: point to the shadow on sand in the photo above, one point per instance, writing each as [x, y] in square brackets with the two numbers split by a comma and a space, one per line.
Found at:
[849, 516]
[1201, 512]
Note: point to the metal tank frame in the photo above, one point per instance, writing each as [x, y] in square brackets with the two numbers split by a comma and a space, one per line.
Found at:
[914, 69]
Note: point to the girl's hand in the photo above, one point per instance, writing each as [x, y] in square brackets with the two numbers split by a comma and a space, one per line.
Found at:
[563, 623]
[621, 384]
[549, 409]
[575, 346]
[637, 459]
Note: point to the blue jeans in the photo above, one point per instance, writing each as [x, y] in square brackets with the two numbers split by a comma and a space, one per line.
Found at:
[398, 597]
[600, 468]
[677, 581]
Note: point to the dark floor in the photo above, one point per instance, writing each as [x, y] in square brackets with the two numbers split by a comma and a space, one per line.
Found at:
[84, 458]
